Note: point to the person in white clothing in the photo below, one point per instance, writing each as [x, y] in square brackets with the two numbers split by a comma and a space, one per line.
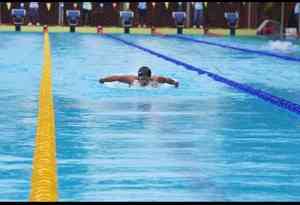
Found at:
[297, 15]
[33, 13]
[142, 11]
[0, 13]
[198, 14]
[61, 13]
[86, 13]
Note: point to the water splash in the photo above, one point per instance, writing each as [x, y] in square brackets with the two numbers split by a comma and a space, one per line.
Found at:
[281, 46]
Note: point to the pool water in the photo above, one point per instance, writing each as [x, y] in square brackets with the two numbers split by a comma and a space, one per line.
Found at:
[20, 71]
[204, 141]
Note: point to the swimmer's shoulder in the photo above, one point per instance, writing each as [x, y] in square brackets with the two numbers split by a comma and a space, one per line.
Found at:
[127, 78]
[131, 77]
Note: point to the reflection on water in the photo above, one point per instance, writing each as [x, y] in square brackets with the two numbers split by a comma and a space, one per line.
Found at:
[144, 107]
[138, 155]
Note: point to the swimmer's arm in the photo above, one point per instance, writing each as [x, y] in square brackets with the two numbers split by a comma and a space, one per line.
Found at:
[167, 80]
[123, 79]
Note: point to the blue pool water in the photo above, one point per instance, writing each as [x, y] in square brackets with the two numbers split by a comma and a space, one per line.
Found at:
[20, 71]
[202, 142]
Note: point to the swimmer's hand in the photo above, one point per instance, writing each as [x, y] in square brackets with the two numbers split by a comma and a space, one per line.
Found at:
[101, 81]
[169, 81]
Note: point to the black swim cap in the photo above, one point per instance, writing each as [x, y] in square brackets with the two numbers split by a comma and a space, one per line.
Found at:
[144, 71]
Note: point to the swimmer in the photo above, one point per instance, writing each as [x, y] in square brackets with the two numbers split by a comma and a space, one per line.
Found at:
[143, 78]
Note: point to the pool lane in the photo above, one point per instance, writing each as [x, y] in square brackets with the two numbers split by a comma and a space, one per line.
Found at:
[106, 135]
[247, 50]
[196, 143]
[20, 63]
[272, 75]
[267, 97]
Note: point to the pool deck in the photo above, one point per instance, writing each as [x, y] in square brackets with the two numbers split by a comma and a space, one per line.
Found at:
[165, 30]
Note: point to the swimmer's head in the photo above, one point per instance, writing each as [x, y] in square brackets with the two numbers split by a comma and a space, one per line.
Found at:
[144, 75]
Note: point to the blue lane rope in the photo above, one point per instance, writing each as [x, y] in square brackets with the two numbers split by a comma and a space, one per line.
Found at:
[278, 101]
[265, 53]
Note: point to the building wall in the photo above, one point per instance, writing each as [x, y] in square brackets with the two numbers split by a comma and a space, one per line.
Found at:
[159, 15]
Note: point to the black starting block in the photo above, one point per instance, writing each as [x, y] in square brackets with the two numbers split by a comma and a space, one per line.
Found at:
[232, 21]
[73, 18]
[179, 18]
[18, 16]
[127, 20]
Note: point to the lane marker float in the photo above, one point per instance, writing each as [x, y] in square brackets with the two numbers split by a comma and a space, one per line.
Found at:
[44, 175]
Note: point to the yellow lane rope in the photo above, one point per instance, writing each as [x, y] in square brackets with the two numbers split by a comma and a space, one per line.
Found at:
[44, 176]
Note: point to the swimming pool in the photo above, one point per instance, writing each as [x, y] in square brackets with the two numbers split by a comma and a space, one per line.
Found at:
[20, 77]
[205, 141]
